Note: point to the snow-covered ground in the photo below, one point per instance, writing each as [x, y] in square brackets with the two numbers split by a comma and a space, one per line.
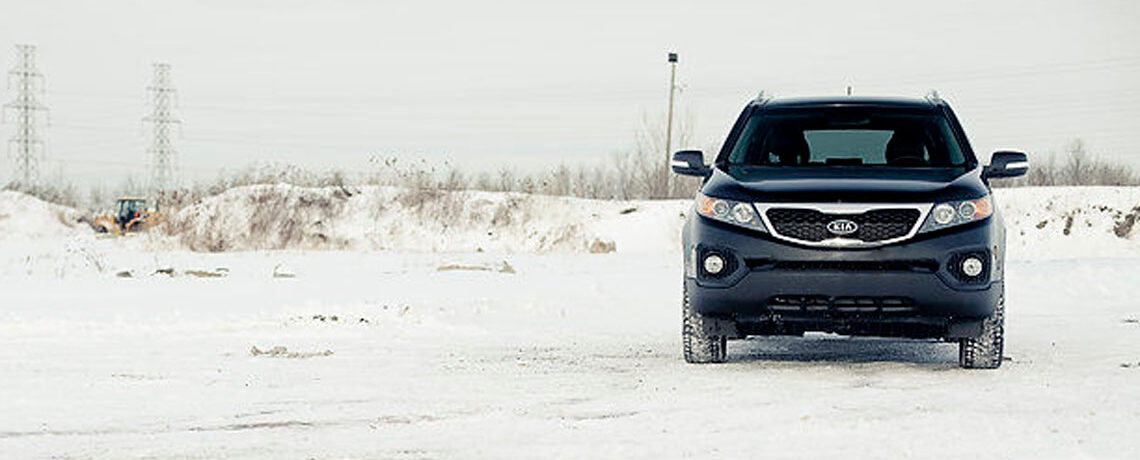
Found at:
[525, 350]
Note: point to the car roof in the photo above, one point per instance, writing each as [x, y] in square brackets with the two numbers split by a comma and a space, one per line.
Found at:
[848, 101]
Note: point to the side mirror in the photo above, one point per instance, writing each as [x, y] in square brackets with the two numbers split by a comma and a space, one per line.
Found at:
[690, 163]
[1007, 164]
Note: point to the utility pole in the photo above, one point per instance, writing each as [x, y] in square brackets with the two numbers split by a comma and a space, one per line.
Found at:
[669, 117]
[668, 179]
[163, 156]
[25, 146]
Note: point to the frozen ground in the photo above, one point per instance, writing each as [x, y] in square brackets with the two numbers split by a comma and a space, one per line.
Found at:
[572, 355]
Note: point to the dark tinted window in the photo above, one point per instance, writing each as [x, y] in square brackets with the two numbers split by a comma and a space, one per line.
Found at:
[131, 206]
[846, 136]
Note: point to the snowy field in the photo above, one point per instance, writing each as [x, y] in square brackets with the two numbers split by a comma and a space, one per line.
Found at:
[420, 348]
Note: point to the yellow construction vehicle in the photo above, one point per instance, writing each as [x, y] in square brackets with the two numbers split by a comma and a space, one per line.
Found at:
[130, 215]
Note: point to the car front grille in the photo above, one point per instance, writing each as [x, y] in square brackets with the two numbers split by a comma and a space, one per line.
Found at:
[902, 265]
[874, 226]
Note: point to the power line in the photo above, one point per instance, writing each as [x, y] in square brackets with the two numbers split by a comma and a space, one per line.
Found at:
[163, 166]
[316, 100]
[577, 94]
[26, 147]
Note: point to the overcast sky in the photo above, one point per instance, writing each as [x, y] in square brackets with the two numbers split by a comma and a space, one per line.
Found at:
[331, 83]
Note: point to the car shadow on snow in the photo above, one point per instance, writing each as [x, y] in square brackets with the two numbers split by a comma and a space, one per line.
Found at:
[842, 350]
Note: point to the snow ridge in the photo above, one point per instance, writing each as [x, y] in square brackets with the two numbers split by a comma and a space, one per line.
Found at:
[1042, 222]
[385, 218]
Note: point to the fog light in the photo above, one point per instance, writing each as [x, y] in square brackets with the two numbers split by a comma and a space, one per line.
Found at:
[714, 264]
[972, 266]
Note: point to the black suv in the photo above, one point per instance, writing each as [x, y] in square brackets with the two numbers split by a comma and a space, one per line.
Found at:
[856, 216]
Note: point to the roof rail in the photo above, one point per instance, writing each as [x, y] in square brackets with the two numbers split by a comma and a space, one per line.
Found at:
[762, 97]
[933, 96]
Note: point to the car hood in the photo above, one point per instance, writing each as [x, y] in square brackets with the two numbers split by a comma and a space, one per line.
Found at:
[845, 185]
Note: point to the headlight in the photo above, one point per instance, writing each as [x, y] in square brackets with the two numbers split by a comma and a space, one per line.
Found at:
[953, 213]
[733, 212]
[943, 214]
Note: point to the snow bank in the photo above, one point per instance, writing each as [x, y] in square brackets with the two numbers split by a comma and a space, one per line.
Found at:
[385, 218]
[36, 236]
[24, 217]
[1044, 222]
[1071, 222]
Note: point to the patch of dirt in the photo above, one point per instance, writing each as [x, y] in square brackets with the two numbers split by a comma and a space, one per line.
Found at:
[281, 271]
[461, 267]
[599, 246]
[405, 419]
[599, 415]
[335, 319]
[218, 273]
[502, 267]
[137, 377]
[259, 413]
[1124, 226]
[282, 352]
[255, 426]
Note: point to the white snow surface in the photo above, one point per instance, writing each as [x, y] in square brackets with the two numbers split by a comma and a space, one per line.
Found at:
[1071, 222]
[372, 351]
[23, 217]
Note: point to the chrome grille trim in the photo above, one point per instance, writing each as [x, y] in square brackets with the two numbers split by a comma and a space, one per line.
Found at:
[844, 209]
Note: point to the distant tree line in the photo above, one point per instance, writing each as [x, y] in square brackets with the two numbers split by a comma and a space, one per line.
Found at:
[1075, 167]
[640, 173]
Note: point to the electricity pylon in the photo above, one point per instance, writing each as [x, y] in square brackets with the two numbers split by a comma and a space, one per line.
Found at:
[26, 147]
[163, 156]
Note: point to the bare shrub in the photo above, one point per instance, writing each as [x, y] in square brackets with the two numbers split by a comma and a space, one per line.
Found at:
[1077, 168]
[641, 172]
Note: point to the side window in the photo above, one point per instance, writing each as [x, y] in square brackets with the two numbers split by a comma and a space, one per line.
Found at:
[744, 152]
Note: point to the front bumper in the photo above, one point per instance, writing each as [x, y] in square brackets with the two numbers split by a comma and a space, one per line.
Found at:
[910, 281]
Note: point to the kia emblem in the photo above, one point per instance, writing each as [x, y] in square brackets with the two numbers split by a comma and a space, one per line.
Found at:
[842, 227]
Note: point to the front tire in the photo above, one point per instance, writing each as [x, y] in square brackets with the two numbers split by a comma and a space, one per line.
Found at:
[986, 350]
[699, 346]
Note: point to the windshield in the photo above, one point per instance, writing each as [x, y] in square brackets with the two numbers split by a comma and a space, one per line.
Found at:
[126, 206]
[847, 136]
